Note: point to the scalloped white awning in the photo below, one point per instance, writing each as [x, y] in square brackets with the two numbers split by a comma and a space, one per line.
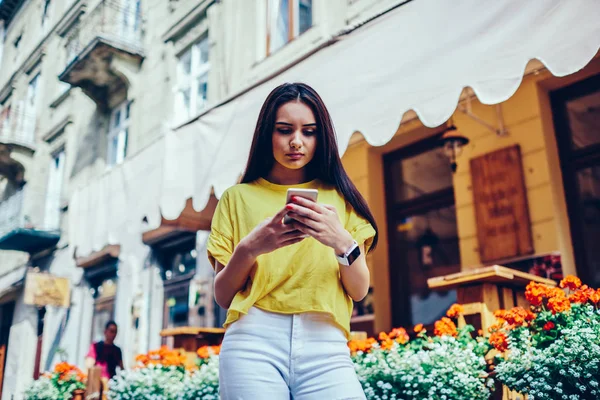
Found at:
[417, 57]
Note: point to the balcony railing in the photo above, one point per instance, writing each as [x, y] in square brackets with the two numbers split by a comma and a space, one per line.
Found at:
[18, 232]
[115, 22]
[11, 213]
[18, 127]
[112, 30]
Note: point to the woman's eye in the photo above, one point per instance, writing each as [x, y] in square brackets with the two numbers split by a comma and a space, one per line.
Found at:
[309, 132]
[284, 131]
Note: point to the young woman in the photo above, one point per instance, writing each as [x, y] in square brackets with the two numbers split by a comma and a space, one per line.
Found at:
[289, 288]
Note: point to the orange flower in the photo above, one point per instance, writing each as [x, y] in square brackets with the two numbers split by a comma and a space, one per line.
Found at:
[418, 328]
[595, 297]
[383, 336]
[163, 356]
[142, 359]
[514, 317]
[386, 344]
[455, 310]
[559, 304]
[549, 326]
[535, 293]
[361, 345]
[67, 371]
[571, 282]
[207, 351]
[580, 296]
[445, 326]
[499, 340]
[400, 335]
[495, 327]
[556, 293]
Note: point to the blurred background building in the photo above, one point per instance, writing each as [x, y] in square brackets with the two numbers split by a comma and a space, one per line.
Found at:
[122, 122]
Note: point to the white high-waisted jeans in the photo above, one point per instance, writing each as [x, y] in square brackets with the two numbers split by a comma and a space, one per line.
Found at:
[280, 357]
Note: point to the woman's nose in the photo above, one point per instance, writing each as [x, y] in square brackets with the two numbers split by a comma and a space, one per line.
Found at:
[296, 142]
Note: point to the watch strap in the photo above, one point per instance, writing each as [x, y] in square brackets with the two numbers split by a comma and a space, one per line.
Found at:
[350, 255]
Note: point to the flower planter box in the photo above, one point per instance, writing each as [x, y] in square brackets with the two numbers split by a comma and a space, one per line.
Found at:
[507, 394]
[191, 338]
[484, 290]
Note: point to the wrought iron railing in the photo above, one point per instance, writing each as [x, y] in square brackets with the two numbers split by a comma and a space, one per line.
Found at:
[116, 21]
[17, 126]
[14, 216]
[11, 213]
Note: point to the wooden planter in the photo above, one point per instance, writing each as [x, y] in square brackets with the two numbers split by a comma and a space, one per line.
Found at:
[482, 291]
[78, 394]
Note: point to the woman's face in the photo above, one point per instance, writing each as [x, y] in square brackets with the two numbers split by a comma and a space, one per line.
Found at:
[294, 136]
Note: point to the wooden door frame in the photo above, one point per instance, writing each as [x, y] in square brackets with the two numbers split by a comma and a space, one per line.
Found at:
[572, 161]
[6, 317]
[400, 296]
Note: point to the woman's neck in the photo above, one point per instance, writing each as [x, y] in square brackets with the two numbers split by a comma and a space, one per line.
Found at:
[285, 176]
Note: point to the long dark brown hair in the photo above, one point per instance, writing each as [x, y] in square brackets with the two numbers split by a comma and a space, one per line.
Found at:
[326, 164]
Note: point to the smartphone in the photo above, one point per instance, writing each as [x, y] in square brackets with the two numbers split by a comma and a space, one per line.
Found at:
[310, 194]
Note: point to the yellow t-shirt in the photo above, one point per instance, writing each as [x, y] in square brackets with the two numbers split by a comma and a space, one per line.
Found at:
[303, 277]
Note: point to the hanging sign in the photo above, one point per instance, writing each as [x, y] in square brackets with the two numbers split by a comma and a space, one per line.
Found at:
[43, 289]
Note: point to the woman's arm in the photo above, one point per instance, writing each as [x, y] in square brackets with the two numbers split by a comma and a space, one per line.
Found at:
[265, 238]
[356, 277]
[90, 358]
[322, 223]
[231, 278]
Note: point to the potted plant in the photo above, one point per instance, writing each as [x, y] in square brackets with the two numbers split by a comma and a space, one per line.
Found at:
[66, 382]
[552, 350]
[450, 364]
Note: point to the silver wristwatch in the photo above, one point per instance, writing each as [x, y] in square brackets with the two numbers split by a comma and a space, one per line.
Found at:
[350, 255]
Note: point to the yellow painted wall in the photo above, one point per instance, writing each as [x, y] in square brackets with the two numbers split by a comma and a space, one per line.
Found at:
[529, 121]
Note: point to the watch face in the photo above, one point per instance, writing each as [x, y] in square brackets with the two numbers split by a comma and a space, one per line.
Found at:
[353, 255]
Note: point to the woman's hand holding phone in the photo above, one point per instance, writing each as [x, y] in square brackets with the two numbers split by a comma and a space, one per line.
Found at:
[321, 222]
[271, 235]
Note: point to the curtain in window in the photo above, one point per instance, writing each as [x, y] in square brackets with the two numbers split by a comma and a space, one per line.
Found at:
[279, 23]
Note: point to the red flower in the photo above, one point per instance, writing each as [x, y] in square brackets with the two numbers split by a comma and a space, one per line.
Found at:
[549, 326]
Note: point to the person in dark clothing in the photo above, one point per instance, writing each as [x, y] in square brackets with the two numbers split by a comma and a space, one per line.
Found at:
[105, 354]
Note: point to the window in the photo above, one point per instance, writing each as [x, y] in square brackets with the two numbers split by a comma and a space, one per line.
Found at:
[17, 52]
[45, 15]
[54, 191]
[286, 20]
[104, 307]
[5, 119]
[31, 107]
[17, 41]
[192, 90]
[422, 230]
[2, 38]
[130, 24]
[576, 112]
[178, 269]
[118, 133]
[72, 45]
[103, 281]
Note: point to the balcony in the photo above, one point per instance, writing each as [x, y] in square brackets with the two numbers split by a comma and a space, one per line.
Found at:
[8, 9]
[16, 230]
[103, 48]
[17, 142]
